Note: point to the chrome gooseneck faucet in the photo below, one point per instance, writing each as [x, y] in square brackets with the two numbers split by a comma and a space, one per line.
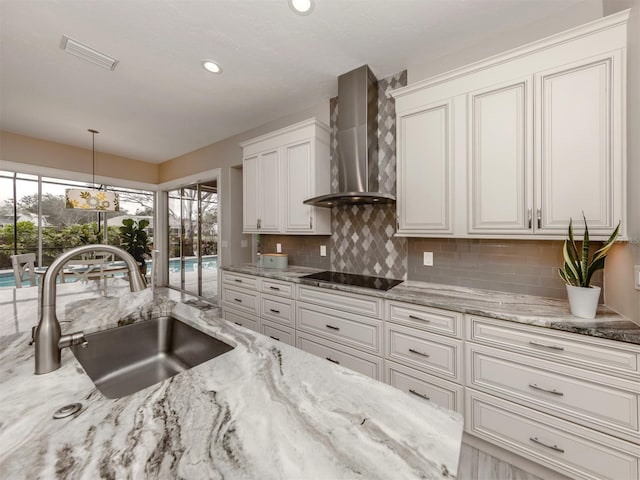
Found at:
[48, 339]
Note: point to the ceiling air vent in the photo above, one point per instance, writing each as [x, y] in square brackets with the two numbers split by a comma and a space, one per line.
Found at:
[84, 52]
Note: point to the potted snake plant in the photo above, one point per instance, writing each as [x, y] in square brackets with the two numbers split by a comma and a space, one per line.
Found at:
[579, 268]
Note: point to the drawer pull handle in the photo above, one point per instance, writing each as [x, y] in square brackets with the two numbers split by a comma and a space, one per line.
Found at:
[421, 395]
[275, 338]
[238, 323]
[418, 352]
[552, 347]
[274, 288]
[552, 447]
[332, 327]
[414, 317]
[238, 300]
[554, 392]
[333, 361]
[274, 310]
[238, 280]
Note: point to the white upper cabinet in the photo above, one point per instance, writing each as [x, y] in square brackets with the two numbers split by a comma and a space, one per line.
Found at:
[516, 145]
[280, 171]
[424, 178]
[500, 158]
[261, 192]
[579, 160]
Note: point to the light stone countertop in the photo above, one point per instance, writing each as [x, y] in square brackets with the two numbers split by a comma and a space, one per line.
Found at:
[531, 310]
[263, 410]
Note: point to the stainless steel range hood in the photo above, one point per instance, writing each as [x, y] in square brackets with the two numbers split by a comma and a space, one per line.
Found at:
[357, 143]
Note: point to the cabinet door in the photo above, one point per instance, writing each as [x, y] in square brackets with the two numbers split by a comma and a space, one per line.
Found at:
[500, 158]
[298, 169]
[425, 170]
[580, 157]
[269, 191]
[250, 194]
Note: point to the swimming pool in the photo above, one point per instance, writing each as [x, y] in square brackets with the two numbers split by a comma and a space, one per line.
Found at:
[209, 262]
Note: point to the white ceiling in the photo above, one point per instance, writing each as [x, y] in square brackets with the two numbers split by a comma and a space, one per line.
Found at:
[160, 103]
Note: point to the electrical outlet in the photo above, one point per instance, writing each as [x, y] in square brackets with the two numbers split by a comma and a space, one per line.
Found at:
[243, 244]
[323, 250]
[428, 259]
[278, 248]
[636, 275]
[224, 244]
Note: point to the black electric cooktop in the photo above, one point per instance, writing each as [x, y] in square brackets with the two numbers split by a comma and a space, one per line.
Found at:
[365, 281]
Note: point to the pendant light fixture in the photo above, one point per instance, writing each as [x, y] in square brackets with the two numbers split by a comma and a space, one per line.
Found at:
[92, 199]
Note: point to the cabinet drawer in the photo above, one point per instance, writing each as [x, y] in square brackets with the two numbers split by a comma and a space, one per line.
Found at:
[353, 330]
[425, 318]
[279, 332]
[443, 393]
[344, 301]
[278, 309]
[240, 299]
[582, 398]
[568, 448]
[360, 362]
[242, 319]
[241, 280]
[277, 287]
[606, 356]
[431, 353]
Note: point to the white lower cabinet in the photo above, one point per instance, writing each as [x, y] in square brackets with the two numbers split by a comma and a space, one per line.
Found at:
[344, 328]
[569, 402]
[593, 400]
[424, 352]
[542, 394]
[243, 319]
[560, 445]
[279, 332]
[241, 300]
[364, 363]
[428, 387]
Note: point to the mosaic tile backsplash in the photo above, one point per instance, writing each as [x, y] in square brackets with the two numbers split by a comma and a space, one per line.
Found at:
[362, 240]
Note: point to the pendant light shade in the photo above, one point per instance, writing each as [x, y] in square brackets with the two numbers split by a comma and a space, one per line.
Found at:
[92, 199]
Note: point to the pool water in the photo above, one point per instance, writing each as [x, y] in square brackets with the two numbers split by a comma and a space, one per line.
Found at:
[209, 262]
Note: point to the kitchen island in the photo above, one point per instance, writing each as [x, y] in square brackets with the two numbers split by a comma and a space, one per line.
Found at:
[263, 410]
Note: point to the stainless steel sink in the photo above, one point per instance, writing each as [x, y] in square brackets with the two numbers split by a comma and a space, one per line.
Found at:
[126, 359]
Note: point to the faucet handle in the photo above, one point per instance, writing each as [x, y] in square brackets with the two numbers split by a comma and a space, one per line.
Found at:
[76, 338]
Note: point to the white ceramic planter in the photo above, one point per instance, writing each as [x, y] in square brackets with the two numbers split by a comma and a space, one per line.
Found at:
[583, 301]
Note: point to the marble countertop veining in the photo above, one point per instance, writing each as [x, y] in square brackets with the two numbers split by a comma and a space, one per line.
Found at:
[263, 410]
[527, 309]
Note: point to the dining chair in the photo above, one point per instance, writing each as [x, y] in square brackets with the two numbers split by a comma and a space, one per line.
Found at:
[84, 270]
[24, 264]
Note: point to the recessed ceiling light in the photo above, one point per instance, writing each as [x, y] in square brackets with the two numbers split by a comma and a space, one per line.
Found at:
[211, 66]
[301, 7]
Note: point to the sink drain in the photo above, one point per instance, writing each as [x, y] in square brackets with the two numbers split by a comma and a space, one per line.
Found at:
[67, 410]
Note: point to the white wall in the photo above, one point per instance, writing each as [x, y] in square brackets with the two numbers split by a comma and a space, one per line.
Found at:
[578, 15]
[232, 249]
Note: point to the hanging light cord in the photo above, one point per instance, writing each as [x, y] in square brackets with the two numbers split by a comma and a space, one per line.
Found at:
[93, 148]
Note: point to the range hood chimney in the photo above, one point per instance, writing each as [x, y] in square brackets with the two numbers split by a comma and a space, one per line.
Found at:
[357, 143]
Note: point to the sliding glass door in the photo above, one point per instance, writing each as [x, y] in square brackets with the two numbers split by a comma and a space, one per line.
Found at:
[193, 240]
